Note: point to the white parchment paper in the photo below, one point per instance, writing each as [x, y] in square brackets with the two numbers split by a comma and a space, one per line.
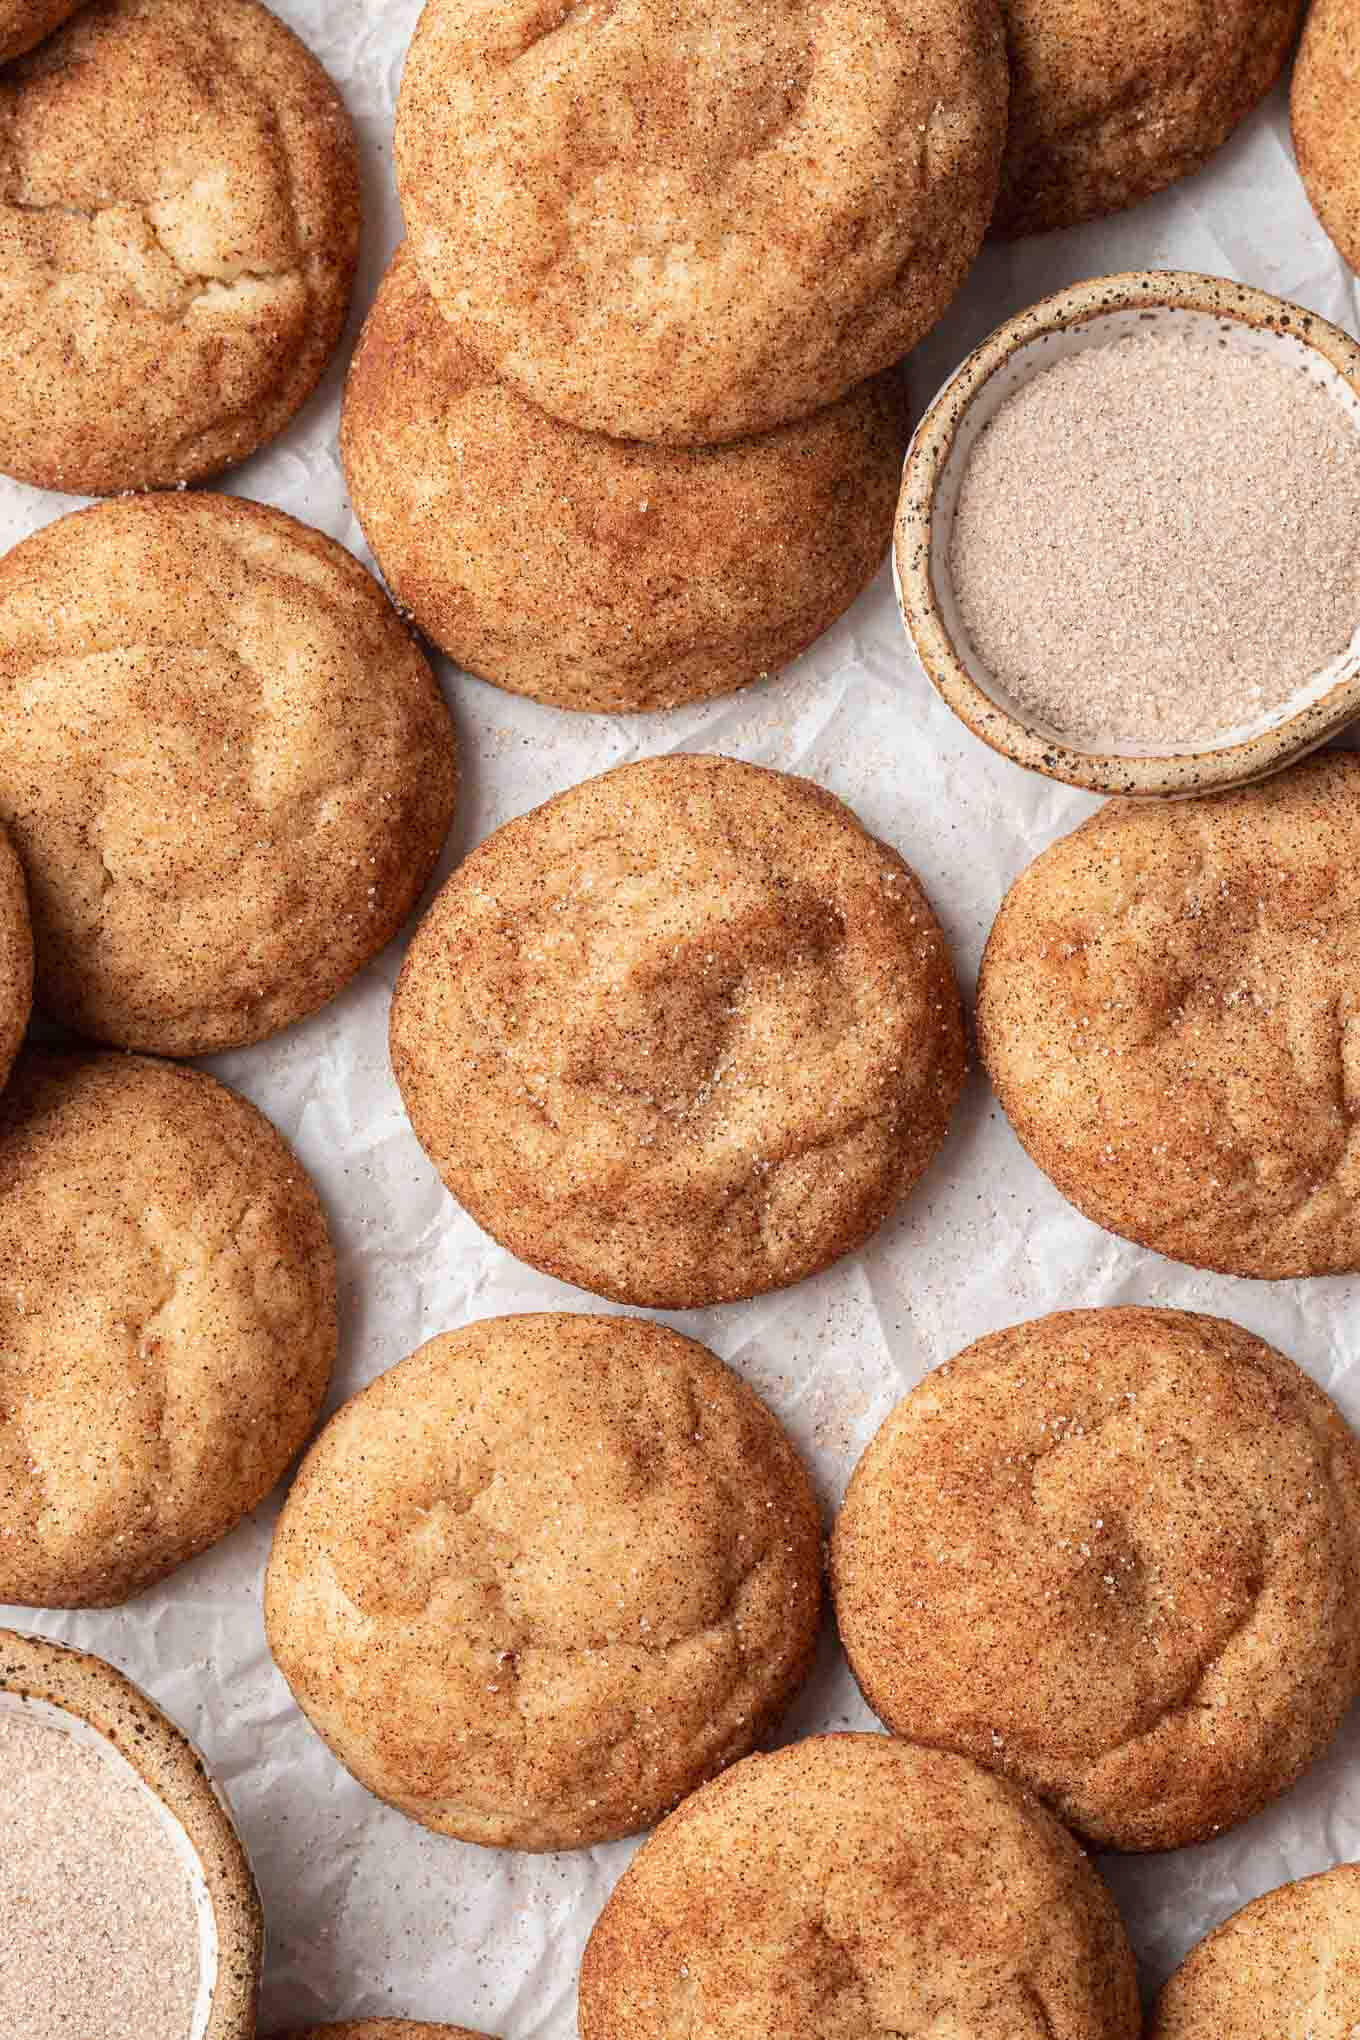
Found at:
[366, 1912]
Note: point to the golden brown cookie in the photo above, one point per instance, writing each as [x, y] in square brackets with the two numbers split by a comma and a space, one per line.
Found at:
[1116, 1555]
[545, 1577]
[384, 2029]
[226, 766]
[853, 1884]
[1168, 1010]
[25, 22]
[596, 573]
[669, 223]
[1112, 100]
[179, 225]
[1288, 1964]
[167, 1321]
[682, 1035]
[1325, 107]
[16, 957]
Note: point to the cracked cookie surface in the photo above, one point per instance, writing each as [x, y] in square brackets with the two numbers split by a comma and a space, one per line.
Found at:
[853, 1884]
[1285, 1964]
[1116, 1555]
[667, 222]
[711, 980]
[1113, 100]
[167, 1321]
[545, 1577]
[225, 764]
[594, 574]
[1325, 114]
[25, 22]
[179, 226]
[16, 957]
[1169, 1008]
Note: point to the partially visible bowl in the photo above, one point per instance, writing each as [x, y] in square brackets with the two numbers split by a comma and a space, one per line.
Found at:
[1091, 315]
[89, 1700]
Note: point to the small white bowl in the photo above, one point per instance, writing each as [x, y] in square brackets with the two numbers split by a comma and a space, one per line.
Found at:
[1091, 315]
[92, 1702]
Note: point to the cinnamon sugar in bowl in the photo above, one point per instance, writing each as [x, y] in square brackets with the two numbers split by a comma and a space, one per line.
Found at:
[127, 1907]
[1127, 547]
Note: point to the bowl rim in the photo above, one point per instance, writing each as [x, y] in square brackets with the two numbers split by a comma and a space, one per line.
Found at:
[1176, 775]
[95, 1692]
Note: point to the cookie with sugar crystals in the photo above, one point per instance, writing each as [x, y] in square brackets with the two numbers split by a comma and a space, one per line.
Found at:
[167, 1321]
[1166, 1009]
[546, 1576]
[1113, 100]
[226, 766]
[16, 957]
[688, 223]
[179, 227]
[857, 1884]
[711, 981]
[1285, 1964]
[25, 22]
[1325, 112]
[1114, 1554]
[595, 573]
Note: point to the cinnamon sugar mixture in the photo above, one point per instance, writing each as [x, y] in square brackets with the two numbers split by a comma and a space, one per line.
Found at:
[1158, 541]
[98, 1935]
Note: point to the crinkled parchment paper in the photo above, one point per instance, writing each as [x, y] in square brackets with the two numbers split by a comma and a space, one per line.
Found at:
[366, 1912]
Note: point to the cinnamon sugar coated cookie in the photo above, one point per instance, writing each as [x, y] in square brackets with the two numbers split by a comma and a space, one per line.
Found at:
[1325, 109]
[855, 1884]
[591, 573]
[25, 22]
[167, 1321]
[680, 223]
[545, 1577]
[1116, 1555]
[1287, 1964]
[226, 767]
[1166, 1010]
[1112, 100]
[179, 226]
[16, 957]
[682, 1035]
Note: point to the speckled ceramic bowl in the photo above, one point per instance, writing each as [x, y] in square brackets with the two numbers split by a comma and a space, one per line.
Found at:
[1090, 315]
[91, 1701]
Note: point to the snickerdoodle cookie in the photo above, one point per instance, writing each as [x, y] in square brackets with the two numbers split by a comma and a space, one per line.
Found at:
[686, 223]
[226, 766]
[545, 1577]
[25, 22]
[682, 1035]
[593, 573]
[1112, 100]
[855, 1884]
[167, 1321]
[179, 224]
[1115, 1554]
[16, 957]
[1169, 1008]
[1325, 106]
[1288, 1964]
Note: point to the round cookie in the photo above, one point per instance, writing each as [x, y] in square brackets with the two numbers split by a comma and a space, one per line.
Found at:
[1285, 1964]
[179, 226]
[16, 957]
[384, 2029]
[25, 22]
[1166, 1009]
[167, 1321]
[1325, 110]
[227, 768]
[855, 1884]
[1112, 100]
[710, 980]
[664, 227]
[592, 573]
[546, 1576]
[1116, 1555]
